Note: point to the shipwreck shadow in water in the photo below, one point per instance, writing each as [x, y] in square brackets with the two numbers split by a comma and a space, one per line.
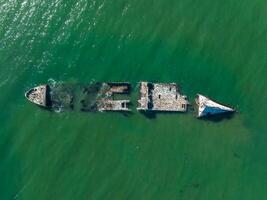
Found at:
[153, 114]
[218, 118]
[123, 113]
[126, 114]
[149, 115]
[59, 110]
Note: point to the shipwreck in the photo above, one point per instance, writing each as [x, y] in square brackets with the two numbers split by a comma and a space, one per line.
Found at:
[114, 96]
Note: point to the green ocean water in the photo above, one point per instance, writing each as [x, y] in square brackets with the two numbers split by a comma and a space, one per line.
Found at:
[217, 48]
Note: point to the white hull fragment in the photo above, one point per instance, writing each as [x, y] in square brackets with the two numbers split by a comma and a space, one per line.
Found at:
[208, 107]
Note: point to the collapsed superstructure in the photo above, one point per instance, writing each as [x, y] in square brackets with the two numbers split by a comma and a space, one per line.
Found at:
[161, 97]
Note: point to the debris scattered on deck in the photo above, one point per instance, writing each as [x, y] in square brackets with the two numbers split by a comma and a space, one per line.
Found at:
[208, 107]
[161, 97]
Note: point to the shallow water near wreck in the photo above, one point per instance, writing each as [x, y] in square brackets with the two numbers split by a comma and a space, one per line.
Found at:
[214, 48]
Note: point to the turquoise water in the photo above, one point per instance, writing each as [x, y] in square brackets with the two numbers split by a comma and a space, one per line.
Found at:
[217, 48]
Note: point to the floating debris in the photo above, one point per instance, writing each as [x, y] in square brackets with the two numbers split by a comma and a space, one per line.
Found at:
[161, 97]
[208, 107]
